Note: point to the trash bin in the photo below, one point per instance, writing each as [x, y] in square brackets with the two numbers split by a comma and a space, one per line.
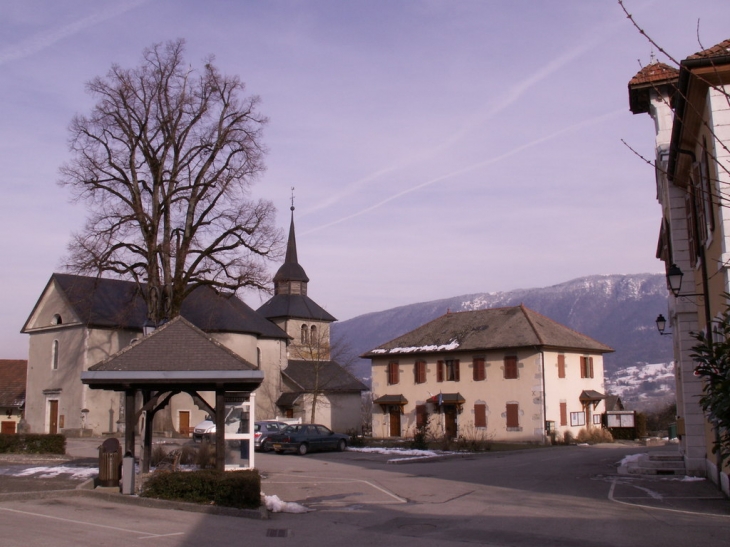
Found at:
[673, 431]
[110, 462]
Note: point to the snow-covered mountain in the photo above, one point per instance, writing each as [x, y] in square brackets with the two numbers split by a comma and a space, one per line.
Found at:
[618, 310]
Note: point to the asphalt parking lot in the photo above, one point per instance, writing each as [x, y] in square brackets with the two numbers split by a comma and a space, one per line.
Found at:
[556, 496]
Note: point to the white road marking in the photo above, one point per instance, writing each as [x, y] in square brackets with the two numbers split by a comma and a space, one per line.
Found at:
[613, 499]
[145, 535]
[343, 481]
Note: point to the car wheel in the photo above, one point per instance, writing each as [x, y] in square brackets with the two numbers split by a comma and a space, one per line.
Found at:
[302, 449]
[341, 445]
[265, 446]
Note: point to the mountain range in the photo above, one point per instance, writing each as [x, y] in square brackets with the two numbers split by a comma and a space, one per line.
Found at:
[617, 310]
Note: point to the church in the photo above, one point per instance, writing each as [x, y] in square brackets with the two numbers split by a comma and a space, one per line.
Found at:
[81, 321]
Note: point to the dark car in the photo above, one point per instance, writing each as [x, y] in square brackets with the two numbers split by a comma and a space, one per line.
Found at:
[303, 438]
[263, 431]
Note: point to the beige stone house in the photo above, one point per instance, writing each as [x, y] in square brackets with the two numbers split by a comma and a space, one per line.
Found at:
[506, 374]
[691, 113]
[12, 393]
[81, 321]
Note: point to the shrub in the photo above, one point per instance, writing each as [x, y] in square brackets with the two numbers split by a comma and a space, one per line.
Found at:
[32, 444]
[240, 489]
[205, 456]
[473, 440]
[355, 438]
[594, 435]
[158, 455]
[568, 437]
[420, 439]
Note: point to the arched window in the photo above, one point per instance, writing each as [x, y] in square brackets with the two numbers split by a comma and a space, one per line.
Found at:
[305, 334]
[54, 355]
[313, 335]
[56, 320]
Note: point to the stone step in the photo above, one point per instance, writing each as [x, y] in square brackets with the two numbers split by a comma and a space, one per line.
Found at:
[656, 463]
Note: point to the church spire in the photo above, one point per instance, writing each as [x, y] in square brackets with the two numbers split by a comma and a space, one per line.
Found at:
[291, 278]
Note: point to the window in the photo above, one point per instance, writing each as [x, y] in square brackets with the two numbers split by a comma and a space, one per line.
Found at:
[577, 418]
[54, 355]
[421, 416]
[313, 334]
[480, 415]
[561, 367]
[305, 334]
[419, 372]
[596, 419]
[258, 357]
[447, 370]
[563, 413]
[586, 367]
[707, 186]
[393, 373]
[479, 372]
[510, 367]
[513, 416]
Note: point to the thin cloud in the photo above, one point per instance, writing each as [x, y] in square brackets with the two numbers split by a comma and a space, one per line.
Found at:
[473, 167]
[43, 40]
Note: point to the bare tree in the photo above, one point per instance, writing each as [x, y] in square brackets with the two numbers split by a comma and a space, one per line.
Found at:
[165, 162]
[326, 372]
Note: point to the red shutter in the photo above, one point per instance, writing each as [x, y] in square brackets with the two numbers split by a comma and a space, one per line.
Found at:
[513, 417]
[561, 366]
[510, 367]
[590, 367]
[456, 370]
[478, 370]
[393, 376]
[563, 413]
[583, 367]
[480, 415]
[440, 371]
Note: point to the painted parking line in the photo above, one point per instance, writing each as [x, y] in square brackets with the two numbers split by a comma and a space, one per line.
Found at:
[654, 495]
[393, 498]
[143, 535]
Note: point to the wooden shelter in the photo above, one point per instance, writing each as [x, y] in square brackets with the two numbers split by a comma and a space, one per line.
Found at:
[176, 358]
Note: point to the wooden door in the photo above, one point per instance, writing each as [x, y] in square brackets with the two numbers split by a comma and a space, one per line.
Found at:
[395, 421]
[53, 417]
[450, 421]
[184, 416]
[7, 428]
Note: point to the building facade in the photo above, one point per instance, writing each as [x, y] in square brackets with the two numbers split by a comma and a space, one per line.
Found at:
[505, 374]
[691, 113]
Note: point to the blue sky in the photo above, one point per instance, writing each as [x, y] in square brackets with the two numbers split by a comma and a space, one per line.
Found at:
[437, 147]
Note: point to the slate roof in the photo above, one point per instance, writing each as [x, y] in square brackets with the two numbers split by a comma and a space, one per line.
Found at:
[489, 329]
[176, 346]
[113, 303]
[13, 374]
[297, 306]
[291, 270]
[330, 376]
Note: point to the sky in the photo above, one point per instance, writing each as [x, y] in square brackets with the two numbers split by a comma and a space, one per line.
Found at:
[436, 147]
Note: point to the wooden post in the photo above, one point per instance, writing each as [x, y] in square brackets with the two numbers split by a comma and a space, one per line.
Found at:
[147, 446]
[129, 421]
[220, 429]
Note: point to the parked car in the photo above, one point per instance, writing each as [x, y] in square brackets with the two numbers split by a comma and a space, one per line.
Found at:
[303, 438]
[262, 430]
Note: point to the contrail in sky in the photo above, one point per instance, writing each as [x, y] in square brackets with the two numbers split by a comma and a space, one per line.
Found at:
[43, 40]
[473, 167]
[511, 96]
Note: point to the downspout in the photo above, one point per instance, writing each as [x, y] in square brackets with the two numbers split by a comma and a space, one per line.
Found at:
[544, 397]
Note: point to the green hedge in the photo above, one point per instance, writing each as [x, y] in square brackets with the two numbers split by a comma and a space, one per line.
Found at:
[241, 489]
[32, 444]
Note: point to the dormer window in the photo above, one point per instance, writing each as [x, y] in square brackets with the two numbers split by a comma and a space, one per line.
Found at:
[56, 320]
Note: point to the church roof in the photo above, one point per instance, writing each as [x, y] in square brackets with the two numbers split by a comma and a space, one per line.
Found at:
[490, 329]
[322, 375]
[112, 303]
[291, 270]
[297, 306]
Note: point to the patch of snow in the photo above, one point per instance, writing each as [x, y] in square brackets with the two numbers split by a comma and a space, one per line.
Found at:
[276, 505]
[412, 349]
[394, 451]
[692, 479]
[50, 472]
[631, 458]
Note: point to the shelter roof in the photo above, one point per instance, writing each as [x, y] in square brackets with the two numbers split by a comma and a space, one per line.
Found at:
[178, 353]
[490, 329]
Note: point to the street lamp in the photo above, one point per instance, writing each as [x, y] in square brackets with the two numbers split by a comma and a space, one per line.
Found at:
[661, 324]
[674, 279]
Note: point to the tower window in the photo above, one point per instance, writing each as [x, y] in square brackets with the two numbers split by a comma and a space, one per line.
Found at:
[305, 334]
[54, 355]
